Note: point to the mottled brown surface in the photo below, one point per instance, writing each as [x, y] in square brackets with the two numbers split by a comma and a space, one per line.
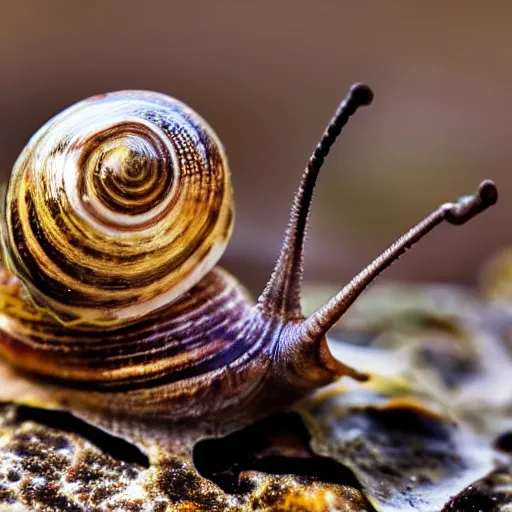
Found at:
[47, 469]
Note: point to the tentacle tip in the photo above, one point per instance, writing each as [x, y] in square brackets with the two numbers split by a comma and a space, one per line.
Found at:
[469, 206]
[361, 94]
[488, 193]
[361, 377]
[347, 371]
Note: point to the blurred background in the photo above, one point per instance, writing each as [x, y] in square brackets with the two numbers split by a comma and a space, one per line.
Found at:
[268, 75]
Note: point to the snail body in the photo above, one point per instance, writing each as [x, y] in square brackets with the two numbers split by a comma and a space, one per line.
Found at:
[114, 218]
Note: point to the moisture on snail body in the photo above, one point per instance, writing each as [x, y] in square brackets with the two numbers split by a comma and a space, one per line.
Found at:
[114, 218]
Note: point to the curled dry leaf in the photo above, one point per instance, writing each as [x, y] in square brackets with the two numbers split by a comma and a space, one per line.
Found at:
[406, 456]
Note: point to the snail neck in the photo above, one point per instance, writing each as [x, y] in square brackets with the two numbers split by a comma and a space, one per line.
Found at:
[302, 355]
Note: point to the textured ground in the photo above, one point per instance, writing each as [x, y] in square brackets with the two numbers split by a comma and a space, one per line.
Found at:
[431, 431]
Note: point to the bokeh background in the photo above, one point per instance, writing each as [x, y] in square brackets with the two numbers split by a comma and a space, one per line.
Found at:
[268, 75]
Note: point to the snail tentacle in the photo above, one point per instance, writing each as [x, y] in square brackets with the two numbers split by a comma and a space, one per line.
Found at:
[281, 296]
[456, 213]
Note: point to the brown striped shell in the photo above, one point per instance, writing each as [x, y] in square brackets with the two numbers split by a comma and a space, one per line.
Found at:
[114, 217]
[117, 206]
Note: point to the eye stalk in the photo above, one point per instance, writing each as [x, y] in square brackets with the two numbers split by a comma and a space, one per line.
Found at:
[281, 296]
[304, 338]
[457, 213]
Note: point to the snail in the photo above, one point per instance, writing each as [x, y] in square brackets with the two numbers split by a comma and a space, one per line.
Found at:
[113, 221]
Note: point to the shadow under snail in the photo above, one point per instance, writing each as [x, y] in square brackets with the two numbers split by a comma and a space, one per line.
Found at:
[113, 220]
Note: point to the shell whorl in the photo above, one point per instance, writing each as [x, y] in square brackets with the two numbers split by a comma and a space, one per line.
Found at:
[116, 207]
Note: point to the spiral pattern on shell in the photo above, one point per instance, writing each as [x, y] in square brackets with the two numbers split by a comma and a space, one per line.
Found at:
[116, 207]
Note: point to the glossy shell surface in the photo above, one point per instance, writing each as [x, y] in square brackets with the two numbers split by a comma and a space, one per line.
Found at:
[116, 207]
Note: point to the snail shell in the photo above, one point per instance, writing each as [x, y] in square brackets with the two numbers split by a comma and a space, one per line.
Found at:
[114, 218]
[116, 207]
